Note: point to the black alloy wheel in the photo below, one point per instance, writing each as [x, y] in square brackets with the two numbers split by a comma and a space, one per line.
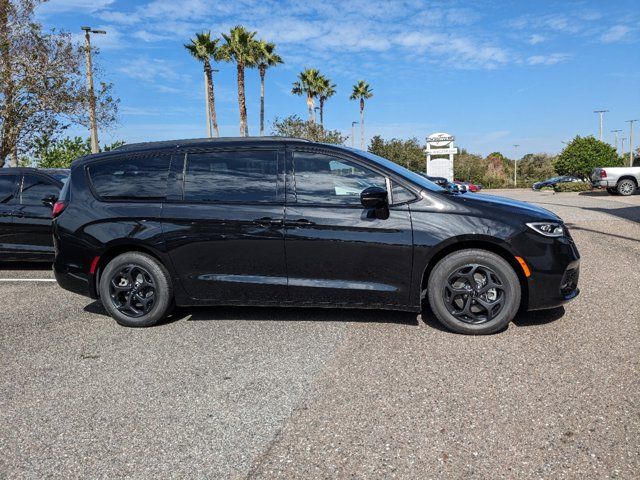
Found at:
[132, 291]
[474, 294]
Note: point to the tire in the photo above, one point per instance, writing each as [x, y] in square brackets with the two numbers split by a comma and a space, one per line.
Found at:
[481, 265]
[612, 191]
[136, 290]
[626, 187]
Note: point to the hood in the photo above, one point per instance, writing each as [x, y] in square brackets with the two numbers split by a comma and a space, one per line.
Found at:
[488, 203]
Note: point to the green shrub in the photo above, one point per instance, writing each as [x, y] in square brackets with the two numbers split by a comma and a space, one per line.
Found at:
[572, 187]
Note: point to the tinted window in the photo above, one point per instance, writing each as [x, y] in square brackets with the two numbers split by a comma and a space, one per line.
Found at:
[7, 188]
[401, 194]
[322, 178]
[232, 176]
[35, 188]
[143, 178]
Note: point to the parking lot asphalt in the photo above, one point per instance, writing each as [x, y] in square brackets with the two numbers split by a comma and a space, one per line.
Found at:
[312, 393]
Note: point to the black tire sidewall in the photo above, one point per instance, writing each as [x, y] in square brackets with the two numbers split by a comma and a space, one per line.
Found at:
[164, 292]
[448, 264]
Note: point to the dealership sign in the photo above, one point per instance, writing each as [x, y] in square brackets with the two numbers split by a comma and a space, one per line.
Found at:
[440, 151]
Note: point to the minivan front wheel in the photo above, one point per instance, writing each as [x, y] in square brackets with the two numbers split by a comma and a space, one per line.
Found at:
[474, 292]
[136, 290]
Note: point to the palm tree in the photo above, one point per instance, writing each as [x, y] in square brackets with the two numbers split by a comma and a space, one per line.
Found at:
[204, 48]
[361, 91]
[240, 48]
[308, 84]
[327, 90]
[266, 57]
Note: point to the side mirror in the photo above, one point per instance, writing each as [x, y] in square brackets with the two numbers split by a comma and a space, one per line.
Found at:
[49, 200]
[374, 197]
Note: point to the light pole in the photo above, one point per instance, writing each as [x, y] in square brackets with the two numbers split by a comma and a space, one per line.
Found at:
[622, 146]
[315, 114]
[353, 133]
[93, 127]
[631, 140]
[515, 167]
[615, 132]
[601, 113]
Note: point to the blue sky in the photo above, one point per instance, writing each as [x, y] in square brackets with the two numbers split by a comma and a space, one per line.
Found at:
[492, 73]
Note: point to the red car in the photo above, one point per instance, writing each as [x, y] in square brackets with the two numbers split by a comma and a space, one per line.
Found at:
[467, 186]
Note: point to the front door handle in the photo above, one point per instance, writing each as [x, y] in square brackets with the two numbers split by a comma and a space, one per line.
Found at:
[301, 222]
[268, 221]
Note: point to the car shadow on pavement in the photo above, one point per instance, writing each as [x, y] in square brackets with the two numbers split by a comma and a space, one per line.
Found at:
[538, 317]
[37, 266]
[622, 237]
[286, 314]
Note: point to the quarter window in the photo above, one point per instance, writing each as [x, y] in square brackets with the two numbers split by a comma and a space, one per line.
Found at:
[35, 188]
[401, 194]
[7, 188]
[232, 176]
[142, 178]
[321, 178]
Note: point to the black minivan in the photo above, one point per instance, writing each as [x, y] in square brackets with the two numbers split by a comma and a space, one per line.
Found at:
[279, 221]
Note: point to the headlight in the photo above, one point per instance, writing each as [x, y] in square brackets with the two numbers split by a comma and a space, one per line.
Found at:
[548, 229]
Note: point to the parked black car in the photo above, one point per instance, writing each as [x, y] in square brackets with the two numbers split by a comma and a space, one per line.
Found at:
[276, 221]
[444, 183]
[550, 182]
[27, 196]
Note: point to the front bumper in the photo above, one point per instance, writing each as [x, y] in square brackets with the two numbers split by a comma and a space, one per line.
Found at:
[555, 269]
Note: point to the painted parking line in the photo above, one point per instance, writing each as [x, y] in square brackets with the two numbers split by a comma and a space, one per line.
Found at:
[27, 279]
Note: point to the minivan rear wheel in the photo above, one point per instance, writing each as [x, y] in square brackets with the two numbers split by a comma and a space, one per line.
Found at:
[474, 292]
[136, 290]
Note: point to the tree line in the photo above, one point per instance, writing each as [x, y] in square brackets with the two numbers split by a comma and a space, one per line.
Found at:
[240, 46]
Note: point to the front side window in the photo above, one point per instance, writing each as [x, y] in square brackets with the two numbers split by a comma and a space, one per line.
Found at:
[35, 188]
[7, 188]
[321, 178]
[141, 178]
[232, 176]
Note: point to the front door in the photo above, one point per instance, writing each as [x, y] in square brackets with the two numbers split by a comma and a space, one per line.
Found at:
[338, 252]
[33, 218]
[223, 227]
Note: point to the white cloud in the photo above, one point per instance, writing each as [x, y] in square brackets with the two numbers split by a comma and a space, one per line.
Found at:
[615, 34]
[536, 39]
[62, 6]
[550, 59]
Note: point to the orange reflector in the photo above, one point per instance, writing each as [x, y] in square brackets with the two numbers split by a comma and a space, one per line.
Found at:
[525, 267]
[94, 264]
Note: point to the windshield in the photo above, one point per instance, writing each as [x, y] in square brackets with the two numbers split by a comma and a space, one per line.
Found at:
[413, 177]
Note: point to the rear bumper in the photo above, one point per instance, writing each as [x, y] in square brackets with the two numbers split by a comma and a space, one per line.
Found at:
[74, 282]
[602, 183]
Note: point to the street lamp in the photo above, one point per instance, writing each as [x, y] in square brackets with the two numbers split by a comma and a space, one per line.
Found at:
[353, 132]
[601, 113]
[315, 114]
[630, 122]
[615, 132]
[515, 167]
[93, 127]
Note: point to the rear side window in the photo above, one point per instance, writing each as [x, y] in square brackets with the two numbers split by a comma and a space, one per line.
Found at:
[141, 178]
[35, 188]
[7, 188]
[232, 176]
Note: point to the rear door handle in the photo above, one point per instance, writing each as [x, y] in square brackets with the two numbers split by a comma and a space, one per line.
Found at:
[268, 221]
